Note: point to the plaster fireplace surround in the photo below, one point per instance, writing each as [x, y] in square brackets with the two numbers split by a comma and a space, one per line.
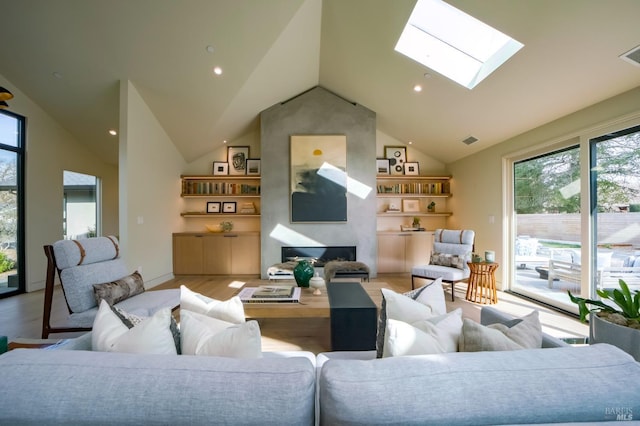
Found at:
[317, 112]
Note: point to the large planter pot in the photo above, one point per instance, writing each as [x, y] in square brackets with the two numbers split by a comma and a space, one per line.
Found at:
[626, 338]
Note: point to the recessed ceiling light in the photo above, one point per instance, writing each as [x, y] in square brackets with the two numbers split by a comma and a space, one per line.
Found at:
[217, 71]
[224, 141]
[410, 142]
[210, 49]
[417, 88]
[113, 132]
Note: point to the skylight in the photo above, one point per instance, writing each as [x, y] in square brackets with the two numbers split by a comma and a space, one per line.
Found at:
[454, 44]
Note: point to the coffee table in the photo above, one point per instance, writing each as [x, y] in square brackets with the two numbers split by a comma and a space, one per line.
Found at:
[310, 305]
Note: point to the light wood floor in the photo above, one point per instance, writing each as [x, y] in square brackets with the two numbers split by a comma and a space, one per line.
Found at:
[21, 316]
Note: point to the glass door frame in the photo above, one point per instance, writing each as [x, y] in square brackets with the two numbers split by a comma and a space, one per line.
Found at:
[19, 150]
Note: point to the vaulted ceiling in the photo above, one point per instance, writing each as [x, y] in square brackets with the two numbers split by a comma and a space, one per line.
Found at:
[69, 57]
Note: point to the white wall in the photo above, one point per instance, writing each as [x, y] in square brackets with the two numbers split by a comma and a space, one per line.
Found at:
[478, 185]
[150, 202]
[50, 150]
[428, 166]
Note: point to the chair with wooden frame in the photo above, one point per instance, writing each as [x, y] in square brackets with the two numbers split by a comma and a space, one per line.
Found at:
[80, 264]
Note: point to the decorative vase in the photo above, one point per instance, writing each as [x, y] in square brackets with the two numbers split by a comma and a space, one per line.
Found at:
[303, 273]
[625, 338]
[316, 282]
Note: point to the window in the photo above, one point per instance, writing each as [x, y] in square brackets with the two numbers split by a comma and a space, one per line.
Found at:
[12, 141]
[453, 43]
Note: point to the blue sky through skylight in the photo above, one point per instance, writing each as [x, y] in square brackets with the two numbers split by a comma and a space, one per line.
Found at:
[454, 43]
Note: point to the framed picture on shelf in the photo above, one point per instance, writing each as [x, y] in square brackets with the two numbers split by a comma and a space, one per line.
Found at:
[229, 207]
[220, 168]
[410, 206]
[237, 158]
[382, 166]
[397, 156]
[213, 206]
[253, 167]
[412, 169]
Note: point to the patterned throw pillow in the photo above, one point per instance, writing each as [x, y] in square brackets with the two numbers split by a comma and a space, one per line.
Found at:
[131, 320]
[117, 291]
[450, 260]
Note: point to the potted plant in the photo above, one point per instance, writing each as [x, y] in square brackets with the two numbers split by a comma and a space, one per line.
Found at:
[608, 324]
[416, 222]
[431, 207]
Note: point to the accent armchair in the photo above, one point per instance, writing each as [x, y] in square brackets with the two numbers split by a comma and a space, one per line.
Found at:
[451, 252]
[93, 266]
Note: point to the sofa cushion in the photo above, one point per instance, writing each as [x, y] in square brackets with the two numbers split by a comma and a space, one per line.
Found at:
[524, 333]
[98, 388]
[412, 306]
[203, 335]
[560, 385]
[150, 335]
[438, 334]
[230, 310]
[117, 291]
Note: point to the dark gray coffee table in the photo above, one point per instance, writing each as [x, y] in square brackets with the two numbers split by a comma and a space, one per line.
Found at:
[353, 317]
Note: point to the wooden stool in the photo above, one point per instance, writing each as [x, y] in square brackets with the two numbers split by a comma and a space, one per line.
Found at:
[482, 282]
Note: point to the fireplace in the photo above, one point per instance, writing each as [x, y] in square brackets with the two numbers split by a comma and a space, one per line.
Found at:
[318, 256]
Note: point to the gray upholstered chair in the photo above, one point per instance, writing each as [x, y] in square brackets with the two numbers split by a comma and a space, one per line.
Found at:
[451, 252]
[81, 264]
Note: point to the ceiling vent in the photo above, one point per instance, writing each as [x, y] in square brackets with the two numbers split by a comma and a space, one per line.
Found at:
[470, 140]
[632, 56]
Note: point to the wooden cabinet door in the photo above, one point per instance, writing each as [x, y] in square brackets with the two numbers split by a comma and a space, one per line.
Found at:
[245, 255]
[187, 254]
[217, 254]
[418, 249]
[391, 253]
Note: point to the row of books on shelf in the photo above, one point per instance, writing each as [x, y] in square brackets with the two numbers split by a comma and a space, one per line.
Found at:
[218, 188]
[415, 188]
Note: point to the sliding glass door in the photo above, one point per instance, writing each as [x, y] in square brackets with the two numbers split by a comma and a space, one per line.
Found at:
[615, 207]
[547, 222]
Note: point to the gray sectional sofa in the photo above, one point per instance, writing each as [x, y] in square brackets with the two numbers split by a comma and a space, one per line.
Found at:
[590, 384]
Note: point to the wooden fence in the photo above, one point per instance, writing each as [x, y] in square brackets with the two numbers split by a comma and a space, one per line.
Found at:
[619, 229]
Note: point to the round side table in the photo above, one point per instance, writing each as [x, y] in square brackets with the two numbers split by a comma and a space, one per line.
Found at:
[482, 282]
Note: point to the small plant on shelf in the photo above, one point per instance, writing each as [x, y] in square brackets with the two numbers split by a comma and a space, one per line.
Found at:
[226, 226]
[431, 207]
[416, 222]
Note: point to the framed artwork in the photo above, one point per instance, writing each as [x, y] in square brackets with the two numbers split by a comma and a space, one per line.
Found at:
[318, 178]
[220, 168]
[229, 207]
[213, 206]
[237, 159]
[397, 156]
[410, 206]
[253, 167]
[382, 166]
[412, 169]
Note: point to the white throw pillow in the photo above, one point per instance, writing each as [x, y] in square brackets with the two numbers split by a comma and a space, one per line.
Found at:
[434, 335]
[230, 310]
[203, 335]
[412, 306]
[150, 335]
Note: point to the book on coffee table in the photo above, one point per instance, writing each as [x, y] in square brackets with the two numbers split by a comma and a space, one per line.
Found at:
[270, 294]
